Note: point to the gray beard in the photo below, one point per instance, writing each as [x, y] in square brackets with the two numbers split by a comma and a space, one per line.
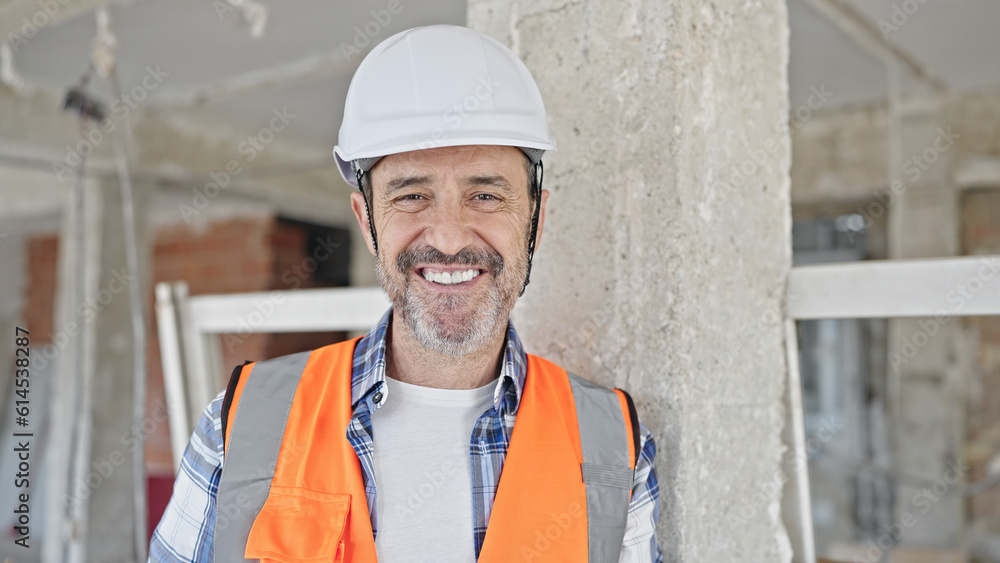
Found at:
[419, 316]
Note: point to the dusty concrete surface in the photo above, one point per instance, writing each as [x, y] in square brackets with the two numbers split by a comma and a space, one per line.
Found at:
[667, 241]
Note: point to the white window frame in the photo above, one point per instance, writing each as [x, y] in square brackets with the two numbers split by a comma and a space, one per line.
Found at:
[189, 329]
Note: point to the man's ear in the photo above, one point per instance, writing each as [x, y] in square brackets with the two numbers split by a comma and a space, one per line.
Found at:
[541, 218]
[358, 205]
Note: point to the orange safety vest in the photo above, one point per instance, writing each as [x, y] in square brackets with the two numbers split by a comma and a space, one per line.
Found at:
[292, 489]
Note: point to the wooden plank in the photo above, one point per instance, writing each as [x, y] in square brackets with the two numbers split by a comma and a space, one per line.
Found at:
[171, 358]
[800, 525]
[967, 286]
[200, 370]
[301, 310]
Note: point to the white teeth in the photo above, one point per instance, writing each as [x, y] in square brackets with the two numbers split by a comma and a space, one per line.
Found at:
[445, 278]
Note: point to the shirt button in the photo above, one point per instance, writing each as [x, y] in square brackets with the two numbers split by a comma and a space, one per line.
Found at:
[377, 397]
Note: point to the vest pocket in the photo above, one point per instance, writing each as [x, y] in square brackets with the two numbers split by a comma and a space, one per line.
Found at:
[299, 525]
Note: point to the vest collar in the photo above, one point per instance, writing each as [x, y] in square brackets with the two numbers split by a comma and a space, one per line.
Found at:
[368, 370]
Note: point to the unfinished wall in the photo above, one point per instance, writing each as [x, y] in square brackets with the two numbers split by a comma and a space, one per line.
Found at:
[237, 254]
[981, 235]
[943, 204]
[172, 154]
[666, 244]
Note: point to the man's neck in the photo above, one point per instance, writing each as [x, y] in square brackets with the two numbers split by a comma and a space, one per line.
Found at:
[408, 361]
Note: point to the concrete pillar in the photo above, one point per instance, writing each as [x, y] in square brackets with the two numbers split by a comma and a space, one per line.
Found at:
[928, 370]
[116, 436]
[667, 241]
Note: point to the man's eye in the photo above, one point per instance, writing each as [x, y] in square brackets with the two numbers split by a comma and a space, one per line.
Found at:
[412, 197]
[486, 197]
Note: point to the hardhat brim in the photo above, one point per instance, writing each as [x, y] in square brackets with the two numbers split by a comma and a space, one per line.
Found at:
[350, 176]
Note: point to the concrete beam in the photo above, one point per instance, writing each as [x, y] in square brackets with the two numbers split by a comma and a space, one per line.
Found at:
[272, 78]
[867, 35]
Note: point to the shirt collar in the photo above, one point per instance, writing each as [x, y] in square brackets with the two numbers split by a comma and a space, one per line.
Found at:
[368, 370]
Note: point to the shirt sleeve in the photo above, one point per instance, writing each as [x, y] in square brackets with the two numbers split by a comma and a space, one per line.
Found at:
[185, 533]
[640, 544]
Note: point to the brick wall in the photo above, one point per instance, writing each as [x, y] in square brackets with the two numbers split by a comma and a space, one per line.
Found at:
[233, 256]
[40, 287]
[230, 256]
[981, 235]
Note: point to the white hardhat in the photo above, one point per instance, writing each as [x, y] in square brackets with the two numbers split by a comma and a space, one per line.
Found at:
[439, 86]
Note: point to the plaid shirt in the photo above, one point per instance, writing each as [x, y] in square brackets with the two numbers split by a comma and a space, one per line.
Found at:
[185, 533]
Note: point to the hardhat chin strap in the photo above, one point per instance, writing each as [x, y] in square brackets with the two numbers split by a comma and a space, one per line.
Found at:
[536, 189]
[371, 226]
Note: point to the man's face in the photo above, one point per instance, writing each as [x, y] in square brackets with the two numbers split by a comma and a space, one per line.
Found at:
[453, 226]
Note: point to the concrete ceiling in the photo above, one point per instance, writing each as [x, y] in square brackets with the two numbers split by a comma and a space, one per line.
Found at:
[194, 44]
[953, 39]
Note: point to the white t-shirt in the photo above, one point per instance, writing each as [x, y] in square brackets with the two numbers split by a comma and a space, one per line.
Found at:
[422, 471]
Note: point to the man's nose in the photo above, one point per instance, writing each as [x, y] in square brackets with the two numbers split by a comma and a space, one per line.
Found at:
[449, 230]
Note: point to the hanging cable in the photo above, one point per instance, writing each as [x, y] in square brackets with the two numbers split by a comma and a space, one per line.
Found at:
[81, 386]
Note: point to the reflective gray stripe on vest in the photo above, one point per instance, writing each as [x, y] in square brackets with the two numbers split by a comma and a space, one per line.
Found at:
[606, 470]
[253, 450]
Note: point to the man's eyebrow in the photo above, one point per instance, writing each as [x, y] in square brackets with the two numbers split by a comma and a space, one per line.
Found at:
[405, 181]
[492, 181]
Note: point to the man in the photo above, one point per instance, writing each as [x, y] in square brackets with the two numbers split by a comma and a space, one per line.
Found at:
[435, 437]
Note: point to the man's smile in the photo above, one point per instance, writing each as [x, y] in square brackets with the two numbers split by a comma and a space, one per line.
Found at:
[458, 277]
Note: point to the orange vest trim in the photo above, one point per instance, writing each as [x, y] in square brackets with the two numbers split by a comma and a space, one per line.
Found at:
[540, 509]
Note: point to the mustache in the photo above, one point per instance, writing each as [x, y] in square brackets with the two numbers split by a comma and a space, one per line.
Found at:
[490, 259]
